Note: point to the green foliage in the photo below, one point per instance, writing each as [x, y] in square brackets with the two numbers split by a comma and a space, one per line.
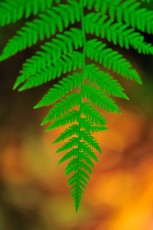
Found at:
[77, 52]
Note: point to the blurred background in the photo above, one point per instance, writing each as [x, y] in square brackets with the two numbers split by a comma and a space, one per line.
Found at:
[33, 188]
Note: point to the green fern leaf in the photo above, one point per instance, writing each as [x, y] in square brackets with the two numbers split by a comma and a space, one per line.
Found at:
[77, 33]
[97, 51]
[72, 130]
[73, 179]
[87, 149]
[85, 166]
[51, 52]
[93, 115]
[129, 12]
[86, 158]
[90, 140]
[100, 99]
[90, 127]
[56, 18]
[69, 155]
[64, 86]
[72, 166]
[67, 63]
[68, 118]
[12, 11]
[116, 33]
[105, 82]
[62, 107]
[68, 145]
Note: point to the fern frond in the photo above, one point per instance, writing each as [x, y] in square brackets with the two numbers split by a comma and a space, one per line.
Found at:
[85, 87]
[105, 82]
[56, 18]
[73, 152]
[93, 115]
[129, 12]
[86, 158]
[99, 99]
[73, 178]
[85, 166]
[59, 109]
[97, 51]
[64, 86]
[51, 52]
[12, 11]
[68, 118]
[72, 130]
[87, 149]
[90, 140]
[81, 161]
[117, 33]
[67, 63]
[90, 127]
[74, 164]
[68, 145]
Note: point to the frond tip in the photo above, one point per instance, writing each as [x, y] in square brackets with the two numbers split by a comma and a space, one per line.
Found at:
[78, 57]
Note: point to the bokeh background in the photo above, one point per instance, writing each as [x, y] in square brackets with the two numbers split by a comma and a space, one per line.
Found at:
[33, 188]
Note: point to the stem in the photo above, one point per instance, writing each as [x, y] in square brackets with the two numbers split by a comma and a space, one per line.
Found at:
[83, 75]
[84, 36]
